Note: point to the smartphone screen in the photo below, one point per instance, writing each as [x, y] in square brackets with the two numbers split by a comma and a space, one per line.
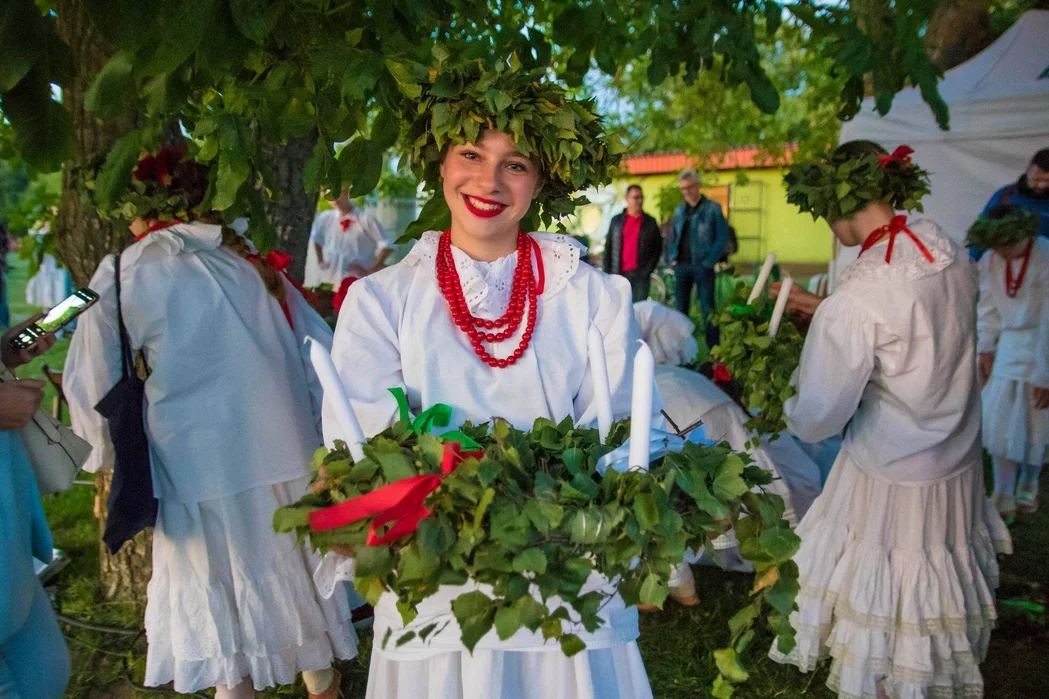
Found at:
[67, 310]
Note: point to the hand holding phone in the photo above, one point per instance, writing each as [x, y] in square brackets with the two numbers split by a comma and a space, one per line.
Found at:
[34, 337]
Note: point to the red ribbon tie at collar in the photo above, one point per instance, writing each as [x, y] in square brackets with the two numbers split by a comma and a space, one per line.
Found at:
[897, 225]
[901, 154]
[399, 504]
[346, 223]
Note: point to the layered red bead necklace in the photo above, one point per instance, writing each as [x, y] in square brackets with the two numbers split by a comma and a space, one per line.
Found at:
[1012, 285]
[525, 291]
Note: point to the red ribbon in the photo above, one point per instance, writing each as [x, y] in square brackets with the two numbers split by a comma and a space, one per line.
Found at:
[346, 223]
[897, 225]
[400, 504]
[901, 155]
[157, 226]
[721, 374]
[280, 261]
[340, 295]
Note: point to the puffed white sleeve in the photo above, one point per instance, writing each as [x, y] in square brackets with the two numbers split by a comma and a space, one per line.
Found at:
[836, 364]
[93, 367]
[320, 226]
[988, 319]
[306, 322]
[614, 317]
[367, 356]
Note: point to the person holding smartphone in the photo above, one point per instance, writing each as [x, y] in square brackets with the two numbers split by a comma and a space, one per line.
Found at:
[34, 659]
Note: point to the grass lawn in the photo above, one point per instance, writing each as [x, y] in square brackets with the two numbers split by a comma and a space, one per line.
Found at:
[676, 645]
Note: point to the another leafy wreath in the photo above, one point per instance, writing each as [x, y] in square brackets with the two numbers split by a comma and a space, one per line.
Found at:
[452, 104]
[532, 519]
[839, 185]
[1012, 226]
[760, 365]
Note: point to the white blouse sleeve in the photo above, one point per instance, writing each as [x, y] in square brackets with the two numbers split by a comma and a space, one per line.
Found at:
[615, 319]
[93, 367]
[320, 225]
[367, 356]
[306, 322]
[988, 319]
[836, 365]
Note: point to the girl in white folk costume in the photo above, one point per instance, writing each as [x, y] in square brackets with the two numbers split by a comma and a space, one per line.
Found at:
[347, 242]
[232, 417]
[407, 326]
[1013, 328]
[898, 555]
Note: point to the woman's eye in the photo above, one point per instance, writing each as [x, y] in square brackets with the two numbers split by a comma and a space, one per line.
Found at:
[518, 167]
[471, 155]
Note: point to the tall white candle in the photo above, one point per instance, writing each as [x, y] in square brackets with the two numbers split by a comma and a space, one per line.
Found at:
[595, 343]
[641, 407]
[763, 277]
[781, 306]
[335, 392]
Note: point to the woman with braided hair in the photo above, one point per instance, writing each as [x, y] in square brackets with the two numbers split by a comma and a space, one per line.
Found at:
[232, 417]
[897, 560]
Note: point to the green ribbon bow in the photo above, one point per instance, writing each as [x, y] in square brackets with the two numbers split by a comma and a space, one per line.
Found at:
[437, 415]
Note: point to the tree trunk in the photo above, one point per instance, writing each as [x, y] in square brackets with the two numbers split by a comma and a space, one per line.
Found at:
[958, 30]
[292, 215]
[82, 239]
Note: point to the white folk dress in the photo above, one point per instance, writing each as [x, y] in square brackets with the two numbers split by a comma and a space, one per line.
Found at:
[395, 329]
[232, 417]
[1016, 329]
[897, 561]
[347, 240]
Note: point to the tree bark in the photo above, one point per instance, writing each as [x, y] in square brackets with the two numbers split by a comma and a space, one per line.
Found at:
[292, 214]
[958, 30]
[82, 239]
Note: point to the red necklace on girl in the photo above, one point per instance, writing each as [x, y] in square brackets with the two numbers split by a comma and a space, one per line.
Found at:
[1012, 286]
[525, 291]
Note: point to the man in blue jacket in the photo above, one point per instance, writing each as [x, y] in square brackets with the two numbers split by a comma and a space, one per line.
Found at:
[1030, 193]
[697, 242]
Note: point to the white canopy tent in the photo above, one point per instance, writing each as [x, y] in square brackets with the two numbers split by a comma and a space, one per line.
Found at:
[999, 107]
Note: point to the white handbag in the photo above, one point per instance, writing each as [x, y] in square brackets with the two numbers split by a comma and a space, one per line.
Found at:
[55, 452]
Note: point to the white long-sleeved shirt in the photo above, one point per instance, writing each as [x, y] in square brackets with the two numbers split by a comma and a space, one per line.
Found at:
[893, 351]
[1016, 328]
[231, 401]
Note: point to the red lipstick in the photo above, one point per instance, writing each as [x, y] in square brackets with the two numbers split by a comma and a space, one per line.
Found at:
[483, 213]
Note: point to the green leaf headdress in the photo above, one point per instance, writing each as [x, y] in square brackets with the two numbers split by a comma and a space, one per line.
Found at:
[849, 178]
[1004, 225]
[453, 104]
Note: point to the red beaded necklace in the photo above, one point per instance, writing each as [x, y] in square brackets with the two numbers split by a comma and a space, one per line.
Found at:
[525, 291]
[1012, 286]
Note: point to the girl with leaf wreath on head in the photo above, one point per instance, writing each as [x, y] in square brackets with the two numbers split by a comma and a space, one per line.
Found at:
[492, 320]
[898, 555]
[1013, 341]
[232, 416]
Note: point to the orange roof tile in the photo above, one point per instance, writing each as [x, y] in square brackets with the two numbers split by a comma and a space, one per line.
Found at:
[662, 163]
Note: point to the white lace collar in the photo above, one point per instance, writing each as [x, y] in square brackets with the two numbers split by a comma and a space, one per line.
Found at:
[487, 285]
[908, 263]
[181, 237]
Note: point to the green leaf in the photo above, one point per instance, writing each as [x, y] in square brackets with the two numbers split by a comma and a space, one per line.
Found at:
[415, 565]
[544, 516]
[782, 595]
[780, 543]
[587, 526]
[532, 611]
[373, 561]
[530, 561]
[113, 179]
[475, 613]
[654, 590]
[43, 128]
[728, 484]
[507, 622]
[109, 93]
[22, 34]
[571, 644]
[435, 536]
[254, 19]
[729, 667]
[181, 27]
[361, 165]
[722, 689]
[646, 511]
[288, 519]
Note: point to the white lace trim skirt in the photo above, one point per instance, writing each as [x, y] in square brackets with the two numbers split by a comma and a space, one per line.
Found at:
[230, 598]
[608, 673]
[897, 584]
[1012, 429]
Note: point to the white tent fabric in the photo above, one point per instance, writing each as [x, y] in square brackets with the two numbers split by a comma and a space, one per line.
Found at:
[999, 108]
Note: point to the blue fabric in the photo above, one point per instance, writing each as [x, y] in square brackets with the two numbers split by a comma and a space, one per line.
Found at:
[707, 231]
[34, 662]
[5, 309]
[703, 278]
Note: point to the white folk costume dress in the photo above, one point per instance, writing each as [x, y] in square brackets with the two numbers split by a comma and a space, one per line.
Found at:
[346, 240]
[233, 418]
[396, 330]
[49, 286]
[897, 560]
[1016, 329]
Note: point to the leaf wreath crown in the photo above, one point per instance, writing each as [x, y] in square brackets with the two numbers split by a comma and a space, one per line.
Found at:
[842, 183]
[1003, 225]
[166, 185]
[453, 104]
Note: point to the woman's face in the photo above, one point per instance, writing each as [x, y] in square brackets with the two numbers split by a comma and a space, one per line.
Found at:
[845, 232]
[489, 187]
[1012, 252]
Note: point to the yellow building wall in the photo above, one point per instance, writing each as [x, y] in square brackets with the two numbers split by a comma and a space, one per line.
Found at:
[759, 211]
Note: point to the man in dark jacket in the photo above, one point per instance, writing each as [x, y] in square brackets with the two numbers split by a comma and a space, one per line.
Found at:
[698, 241]
[633, 244]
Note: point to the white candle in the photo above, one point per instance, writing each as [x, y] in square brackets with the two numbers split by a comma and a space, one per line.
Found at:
[763, 277]
[335, 392]
[781, 306]
[595, 343]
[641, 407]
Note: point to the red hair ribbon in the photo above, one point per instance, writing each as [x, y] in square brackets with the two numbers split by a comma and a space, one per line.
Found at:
[400, 504]
[280, 261]
[897, 225]
[721, 374]
[900, 155]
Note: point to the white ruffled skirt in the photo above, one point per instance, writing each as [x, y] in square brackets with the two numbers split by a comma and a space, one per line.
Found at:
[607, 673]
[1012, 429]
[897, 584]
[230, 598]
